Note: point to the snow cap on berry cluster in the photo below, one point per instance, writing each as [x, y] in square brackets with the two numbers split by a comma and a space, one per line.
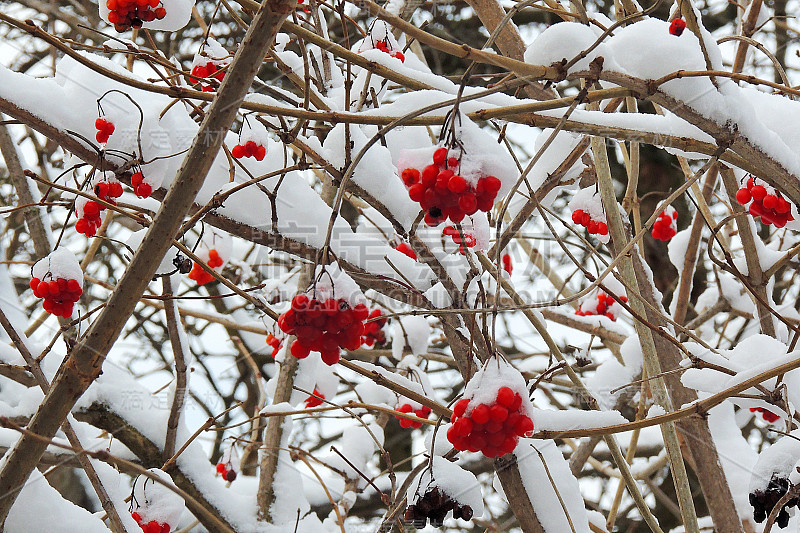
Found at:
[459, 484]
[378, 32]
[155, 501]
[479, 154]
[211, 52]
[333, 282]
[178, 13]
[588, 200]
[61, 263]
[496, 373]
[779, 459]
[253, 130]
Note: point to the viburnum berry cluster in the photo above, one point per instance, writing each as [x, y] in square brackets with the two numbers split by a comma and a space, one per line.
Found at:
[90, 212]
[767, 415]
[141, 187]
[315, 400]
[765, 202]
[127, 14]
[594, 227]
[323, 326]
[406, 249]
[249, 149]
[104, 129]
[677, 26]
[666, 225]
[275, 343]
[58, 280]
[207, 70]
[468, 241]
[152, 526]
[434, 506]
[443, 193]
[373, 331]
[199, 274]
[227, 473]
[764, 501]
[408, 406]
[493, 429]
[383, 46]
[59, 295]
[603, 304]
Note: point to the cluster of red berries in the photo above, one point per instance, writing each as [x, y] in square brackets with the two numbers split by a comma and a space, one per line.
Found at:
[323, 326]
[579, 216]
[677, 26]
[142, 189]
[767, 415]
[226, 471]
[90, 221]
[422, 412]
[604, 303]
[434, 506]
[468, 240]
[127, 14]
[199, 274]
[209, 70]
[275, 342]
[664, 227]
[373, 331]
[249, 149]
[444, 194]
[152, 526]
[492, 429]
[406, 249]
[104, 129]
[59, 295]
[384, 47]
[507, 265]
[772, 208]
[316, 399]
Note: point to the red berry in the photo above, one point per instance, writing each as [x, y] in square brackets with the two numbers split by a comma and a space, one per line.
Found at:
[299, 350]
[492, 184]
[758, 192]
[144, 190]
[677, 26]
[770, 201]
[524, 426]
[238, 151]
[457, 184]
[505, 396]
[468, 203]
[577, 216]
[440, 156]
[410, 176]
[480, 414]
[498, 413]
[136, 516]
